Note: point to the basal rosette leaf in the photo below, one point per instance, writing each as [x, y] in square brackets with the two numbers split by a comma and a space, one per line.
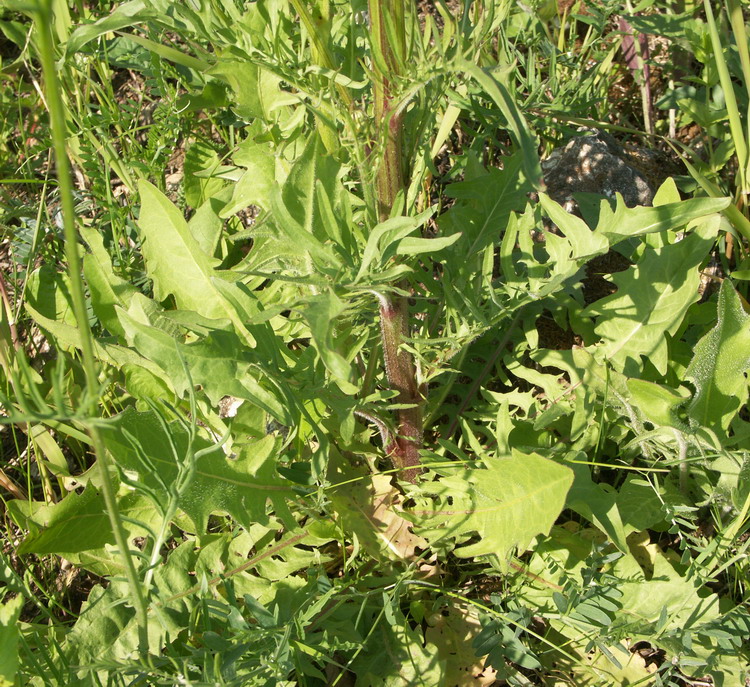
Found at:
[256, 90]
[597, 505]
[69, 336]
[106, 629]
[257, 181]
[106, 288]
[411, 660]
[202, 169]
[718, 367]
[454, 631]
[77, 523]
[484, 203]
[368, 507]
[658, 403]
[506, 503]
[584, 243]
[78, 528]
[123, 16]
[48, 293]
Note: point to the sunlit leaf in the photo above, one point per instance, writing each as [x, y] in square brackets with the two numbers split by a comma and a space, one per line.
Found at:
[240, 487]
[178, 265]
[9, 613]
[651, 300]
[718, 368]
[507, 502]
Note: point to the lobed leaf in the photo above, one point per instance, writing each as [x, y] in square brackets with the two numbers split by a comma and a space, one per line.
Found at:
[219, 363]
[624, 222]
[151, 452]
[507, 503]
[651, 300]
[178, 265]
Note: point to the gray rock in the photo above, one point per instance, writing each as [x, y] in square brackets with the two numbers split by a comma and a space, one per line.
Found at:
[594, 163]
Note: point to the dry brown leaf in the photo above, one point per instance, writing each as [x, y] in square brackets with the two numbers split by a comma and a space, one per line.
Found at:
[370, 508]
[453, 632]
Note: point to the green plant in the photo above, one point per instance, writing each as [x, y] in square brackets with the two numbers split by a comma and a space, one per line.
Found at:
[402, 436]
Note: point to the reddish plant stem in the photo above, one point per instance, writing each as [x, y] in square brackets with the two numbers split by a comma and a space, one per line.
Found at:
[390, 176]
[394, 312]
[402, 377]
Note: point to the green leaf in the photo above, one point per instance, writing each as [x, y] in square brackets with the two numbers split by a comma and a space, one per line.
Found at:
[48, 292]
[143, 384]
[584, 242]
[256, 90]
[321, 313]
[174, 259]
[484, 204]
[69, 336]
[597, 505]
[213, 96]
[106, 288]
[106, 628]
[206, 225]
[77, 523]
[412, 245]
[257, 181]
[507, 503]
[296, 240]
[124, 15]
[649, 583]
[593, 380]
[658, 403]
[722, 357]
[166, 52]
[627, 222]
[218, 363]
[514, 119]
[201, 159]
[640, 504]
[15, 32]
[651, 300]
[9, 614]
[178, 265]
[385, 234]
[79, 528]
[240, 487]
[308, 210]
[411, 661]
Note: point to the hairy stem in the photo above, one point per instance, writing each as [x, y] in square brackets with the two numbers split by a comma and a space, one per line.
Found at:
[387, 27]
[402, 377]
[389, 123]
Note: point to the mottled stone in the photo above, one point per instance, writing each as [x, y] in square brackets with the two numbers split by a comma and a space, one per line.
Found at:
[594, 163]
